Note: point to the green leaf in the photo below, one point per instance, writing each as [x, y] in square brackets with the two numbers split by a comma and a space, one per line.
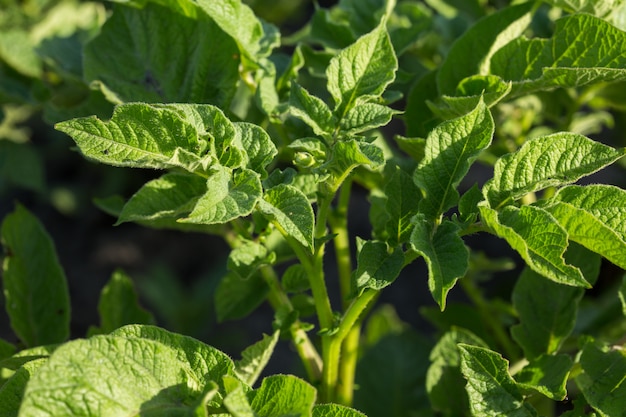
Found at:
[236, 298]
[247, 258]
[156, 55]
[290, 211]
[119, 306]
[236, 402]
[385, 386]
[538, 238]
[12, 391]
[491, 390]
[583, 49]
[335, 410]
[451, 148]
[365, 117]
[138, 135]
[600, 8]
[347, 155]
[602, 378]
[444, 382]
[21, 166]
[172, 196]
[329, 31]
[362, 70]
[283, 395]
[622, 294]
[471, 53]
[377, 266]
[165, 371]
[402, 199]
[295, 279]
[595, 217]
[547, 161]
[258, 146]
[35, 288]
[547, 375]
[312, 111]
[445, 254]
[468, 203]
[364, 15]
[254, 358]
[227, 197]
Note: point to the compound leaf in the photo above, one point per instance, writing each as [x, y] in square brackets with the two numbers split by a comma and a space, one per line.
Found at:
[155, 55]
[583, 49]
[538, 238]
[491, 390]
[553, 160]
[445, 254]
[450, 150]
[35, 288]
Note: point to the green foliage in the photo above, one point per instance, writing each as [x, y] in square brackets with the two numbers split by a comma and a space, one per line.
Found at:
[262, 135]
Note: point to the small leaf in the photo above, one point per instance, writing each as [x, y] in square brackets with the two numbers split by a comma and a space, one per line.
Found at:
[602, 378]
[451, 148]
[311, 110]
[329, 31]
[538, 238]
[445, 254]
[377, 267]
[364, 15]
[363, 69]
[295, 279]
[401, 204]
[365, 117]
[600, 8]
[226, 198]
[547, 161]
[347, 155]
[289, 209]
[12, 391]
[35, 288]
[259, 148]
[471, 52]
[335, 410]
[172, 196]
[583, 49]
[283, 395]
[156, 55]
[491, 390]
[547, 375]
[254, 358]
[468, 203]
[595, 217]
[247, 258]
[118, 305]
[138, 135]
[236, 298]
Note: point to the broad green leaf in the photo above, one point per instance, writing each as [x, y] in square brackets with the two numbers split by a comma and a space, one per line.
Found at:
[172, 196]
[255, 38]
[12, 391]
[290, 211]
[547, 375]
[364, 15]
[247, 258]
[451, 148]
[547, 161]
[444, 382]
[35, 288]
[584, 49]
[17, 49]
[227, 197]
[335, 410]
[365, 117]
[488, 88]
[15, 361]
[602, 378]
[295, 279]
[283, 395]
[595, 217]
[386, 388]
[491, 390]
[600, 8]
[472, 52]
[255, 357]
[138, 135]
[119, 306]
[414, 147]
[155, 55]
[258, 146]
[328, 30]
[538, 238]
[362, 70]
[547, 310]
[312, 111]
[237, 404]
[402, 199]
[445, 254]
[377, 265]
[419, 118]
[236, 298]
[165, 371]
